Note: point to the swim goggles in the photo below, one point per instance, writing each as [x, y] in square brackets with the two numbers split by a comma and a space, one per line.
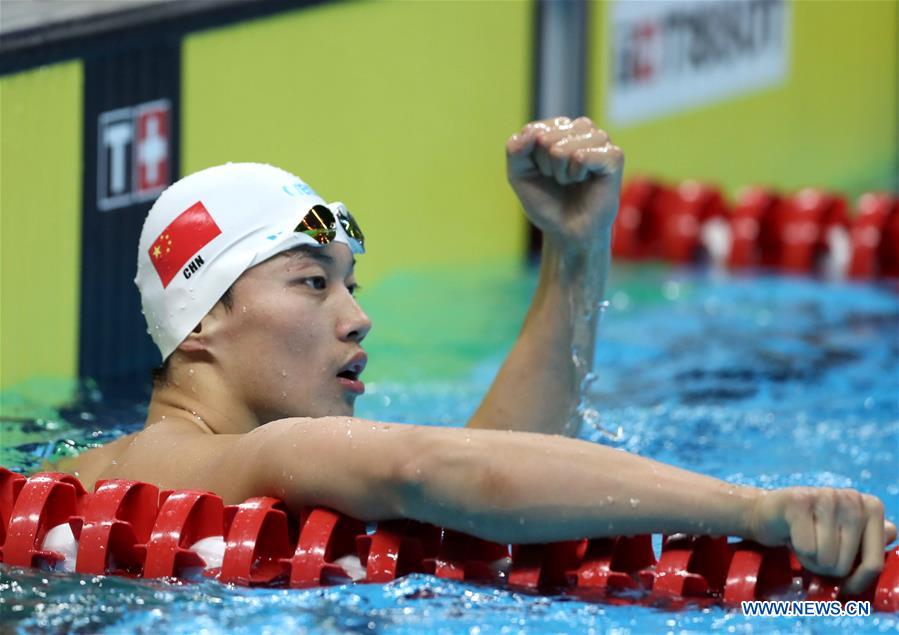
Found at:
[320, 224]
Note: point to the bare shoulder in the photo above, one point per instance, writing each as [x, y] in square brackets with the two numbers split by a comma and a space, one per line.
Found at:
[172, 454]
[104, 461]
[88, 466]
[141, 455]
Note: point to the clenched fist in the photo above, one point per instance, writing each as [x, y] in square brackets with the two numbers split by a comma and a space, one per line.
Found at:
[567, 175]
[834, 532]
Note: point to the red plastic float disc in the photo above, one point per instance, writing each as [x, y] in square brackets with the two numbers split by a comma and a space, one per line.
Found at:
[10, 486]
[691, 566]
[325, 536]
[116, 524]
[44, 501]
[258, 542]
[185, 517]
[756, 572]
[464, 557]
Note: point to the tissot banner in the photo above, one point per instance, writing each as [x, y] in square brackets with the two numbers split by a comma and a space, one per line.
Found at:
[668, 56]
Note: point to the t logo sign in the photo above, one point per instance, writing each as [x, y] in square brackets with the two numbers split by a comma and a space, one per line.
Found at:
[133, 149]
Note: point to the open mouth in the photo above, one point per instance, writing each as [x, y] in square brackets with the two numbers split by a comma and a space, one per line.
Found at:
[348, 374]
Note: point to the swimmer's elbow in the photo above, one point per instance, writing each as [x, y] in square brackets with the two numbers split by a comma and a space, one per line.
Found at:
[448, 473]
[378, 471]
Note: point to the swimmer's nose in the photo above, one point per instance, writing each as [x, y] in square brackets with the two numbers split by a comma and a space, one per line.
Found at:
[356, 325]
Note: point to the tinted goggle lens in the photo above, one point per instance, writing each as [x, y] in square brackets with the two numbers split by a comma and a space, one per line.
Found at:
[320, 224]
[350, 226]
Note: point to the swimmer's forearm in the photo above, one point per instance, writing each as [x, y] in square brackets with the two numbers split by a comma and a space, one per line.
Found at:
[591, 269]
[524, 488]
[498, 485]
[538, 386]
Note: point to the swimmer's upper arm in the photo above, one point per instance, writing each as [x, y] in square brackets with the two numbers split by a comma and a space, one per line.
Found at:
[352, 465]
[348, 464]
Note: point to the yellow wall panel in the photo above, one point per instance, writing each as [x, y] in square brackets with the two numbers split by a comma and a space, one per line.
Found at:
[400, 109]
[40, 223]
[831, 124]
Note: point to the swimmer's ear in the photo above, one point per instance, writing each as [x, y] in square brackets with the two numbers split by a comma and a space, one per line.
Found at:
[195, 341]
[206, 335]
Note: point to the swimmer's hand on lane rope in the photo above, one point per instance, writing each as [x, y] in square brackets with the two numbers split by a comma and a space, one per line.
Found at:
[567, 175]
[828, 529]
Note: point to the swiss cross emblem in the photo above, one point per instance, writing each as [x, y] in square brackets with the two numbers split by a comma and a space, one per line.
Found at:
[133, 154]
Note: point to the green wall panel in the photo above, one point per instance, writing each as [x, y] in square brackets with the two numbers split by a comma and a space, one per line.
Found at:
[40, 228]
[400, 109]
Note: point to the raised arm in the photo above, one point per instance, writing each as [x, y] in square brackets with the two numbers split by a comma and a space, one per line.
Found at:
[504, 486]
[568, 177]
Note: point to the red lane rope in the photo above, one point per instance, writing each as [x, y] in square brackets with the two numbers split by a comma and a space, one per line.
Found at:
[130, 528]
[761, 228]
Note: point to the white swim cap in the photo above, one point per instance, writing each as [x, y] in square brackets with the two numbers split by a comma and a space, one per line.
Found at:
[204, 231]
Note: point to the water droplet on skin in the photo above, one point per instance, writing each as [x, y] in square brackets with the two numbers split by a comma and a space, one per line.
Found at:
[190, 371]
[283, 373]
[283, 394]
[610, 499]
[243, 309]
[635, 502]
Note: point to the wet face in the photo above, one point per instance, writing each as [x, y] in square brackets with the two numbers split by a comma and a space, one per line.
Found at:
[290, 344]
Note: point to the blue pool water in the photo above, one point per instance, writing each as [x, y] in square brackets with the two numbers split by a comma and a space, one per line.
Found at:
[765, 381]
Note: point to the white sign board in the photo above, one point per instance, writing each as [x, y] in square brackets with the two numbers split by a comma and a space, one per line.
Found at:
[672, 55]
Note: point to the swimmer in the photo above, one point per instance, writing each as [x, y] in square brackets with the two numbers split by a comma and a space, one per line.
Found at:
[247, 283]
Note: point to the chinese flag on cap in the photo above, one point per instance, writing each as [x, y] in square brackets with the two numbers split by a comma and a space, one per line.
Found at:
[185, 236]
